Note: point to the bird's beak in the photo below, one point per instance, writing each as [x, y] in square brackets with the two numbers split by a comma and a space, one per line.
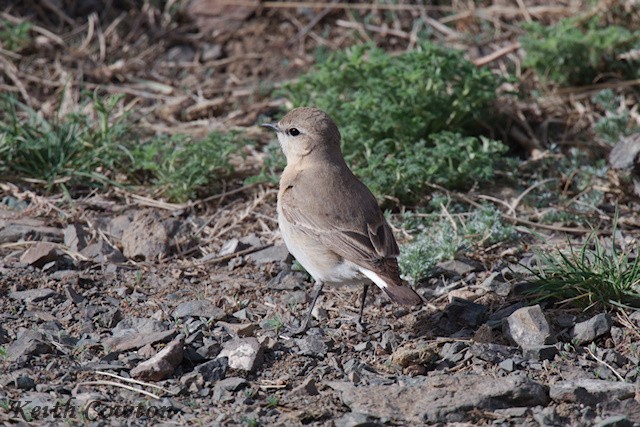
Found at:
[272, 126]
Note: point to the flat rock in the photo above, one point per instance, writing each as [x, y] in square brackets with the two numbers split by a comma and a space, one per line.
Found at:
[312, 345]
[277, 253]
[198, 308]
[591, 391]
[308, 387]
[527, 327]
[589, 330]
[133, 333]
[40, 254]
[75, 237]
[441, 398]
[162, 365]
[456, 267]
[15, 230]
[102, 252]
[242, 353]
[33, 295]
[29, 343]
[542, 352]
[213, 370]
[240, 330]
[146, 238]
[224, 388]
[466, 312]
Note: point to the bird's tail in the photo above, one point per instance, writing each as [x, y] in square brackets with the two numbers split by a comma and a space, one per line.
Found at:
[399, 291]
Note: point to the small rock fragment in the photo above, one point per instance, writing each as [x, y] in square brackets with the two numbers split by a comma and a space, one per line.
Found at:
[213, 370]
[528, 327]
[466, 312]
[615, 421]
[591, 391]
[146, 238]
[223, 388]
[277, 253]
[29, 343]
[162, 365]
[543, 352]
[198, 308]
[242, 353]
[308, 387]
[102, 252]
[240, 330]
[587, 331]
[75, 237]
[312, 345]
[40, 254]
[33, 295]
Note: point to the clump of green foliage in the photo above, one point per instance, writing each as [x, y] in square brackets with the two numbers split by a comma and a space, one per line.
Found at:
[442, 240]
[616, 120]
[14, 37]
[592, 276]
[398, 114]
[181, 166]
[78, 150]
[576, 51]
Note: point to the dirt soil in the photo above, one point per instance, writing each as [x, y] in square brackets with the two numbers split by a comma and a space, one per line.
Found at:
[120, 309]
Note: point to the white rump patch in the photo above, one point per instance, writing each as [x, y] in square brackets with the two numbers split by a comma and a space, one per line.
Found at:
[374, 278]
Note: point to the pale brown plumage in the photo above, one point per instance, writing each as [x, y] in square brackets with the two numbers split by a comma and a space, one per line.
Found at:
[330, 221]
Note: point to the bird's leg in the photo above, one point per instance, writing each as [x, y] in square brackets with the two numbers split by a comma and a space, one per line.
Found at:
[305, 324]
[363, 299]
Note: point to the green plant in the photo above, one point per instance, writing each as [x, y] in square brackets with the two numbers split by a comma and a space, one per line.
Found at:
[78, 150]
[180, 165]
[396, 113]
[442, 240]
[576, 51]
[14, 36]
[275, 324]
[272, 401]
[616, 120]
[593, 276]
[65, 151]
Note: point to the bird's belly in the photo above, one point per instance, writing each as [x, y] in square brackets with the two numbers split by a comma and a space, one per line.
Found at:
[321, 263]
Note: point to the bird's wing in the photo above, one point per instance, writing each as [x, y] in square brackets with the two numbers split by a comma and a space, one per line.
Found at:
[360, 235]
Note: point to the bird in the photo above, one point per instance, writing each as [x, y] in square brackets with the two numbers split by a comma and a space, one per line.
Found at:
[329, 220]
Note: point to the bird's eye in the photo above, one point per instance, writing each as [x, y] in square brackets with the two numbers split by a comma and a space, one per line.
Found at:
[294, 132]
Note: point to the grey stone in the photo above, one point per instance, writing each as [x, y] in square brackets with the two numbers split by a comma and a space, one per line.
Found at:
[507, 365]
[453, 351]
[210, 51]
[75, 237]
[29, 343]
[308, 387]
[213, 370]
[466, 312]
[242, 353]
[591, 391]
[494, 353]
[615, 421]
[626, 152]
[389, 341]
[102, 252]
[223, 388]
[356, 419]
[441, 398]
[312, 345]
[287, 280]
[133, 333]
[146, 238]
[587, 331]
[33, 295]
[229, 247]
[162, 365]
[118, 224]
[543, 352]
[495, 283]
[277, 253]
[28, 229]
[240, 330]
[455, 268]
[528, 327]
[40, 254]
[198, 308]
